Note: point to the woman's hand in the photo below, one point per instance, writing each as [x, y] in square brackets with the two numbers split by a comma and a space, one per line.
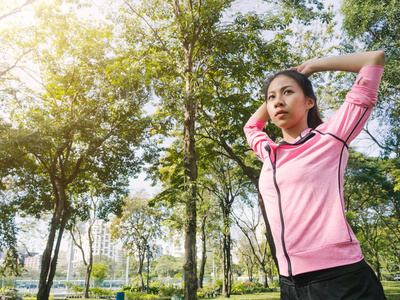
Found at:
[305, 68]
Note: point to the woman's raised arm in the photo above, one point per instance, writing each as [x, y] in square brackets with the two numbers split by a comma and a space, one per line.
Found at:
[348, 62]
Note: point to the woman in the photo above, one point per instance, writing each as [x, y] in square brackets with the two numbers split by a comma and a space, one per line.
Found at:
[301, 180]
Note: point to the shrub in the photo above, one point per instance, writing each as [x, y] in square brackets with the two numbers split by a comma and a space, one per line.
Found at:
[130, 295]
[170, 291]
[9, 292]
[239, 288]
[98, 292]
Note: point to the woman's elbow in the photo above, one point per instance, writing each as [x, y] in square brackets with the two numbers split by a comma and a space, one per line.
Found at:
[379, 57]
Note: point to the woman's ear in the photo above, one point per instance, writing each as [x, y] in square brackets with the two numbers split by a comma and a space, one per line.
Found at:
[310, 102]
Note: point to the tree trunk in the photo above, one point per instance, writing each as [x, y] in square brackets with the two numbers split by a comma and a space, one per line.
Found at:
[270, 275]
[87, 281]
[378, 266]
[190, 164]
[250, 271]
[265, 278]
[227, 268]
[90, 264]
[58, 222]
[203, 253]
[140, 271]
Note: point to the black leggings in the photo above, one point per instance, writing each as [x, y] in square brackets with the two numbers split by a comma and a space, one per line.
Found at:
[356, 281]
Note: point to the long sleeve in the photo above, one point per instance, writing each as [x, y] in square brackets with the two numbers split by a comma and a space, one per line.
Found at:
[257, 138]
[351, 117]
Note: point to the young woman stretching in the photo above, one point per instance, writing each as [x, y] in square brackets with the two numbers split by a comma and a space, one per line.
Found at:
[301, 180]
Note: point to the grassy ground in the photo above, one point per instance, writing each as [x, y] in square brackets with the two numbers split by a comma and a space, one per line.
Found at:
[392, 292]
[392, 289]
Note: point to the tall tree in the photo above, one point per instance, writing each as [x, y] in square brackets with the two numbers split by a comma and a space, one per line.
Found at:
[200, 65]
[240, 60]
[374, 25]
[78, 118]
[371, 203]
[249, 222]
[10, 59]
[137, 228]
[223, 179]
[81, 230]
[175, 41]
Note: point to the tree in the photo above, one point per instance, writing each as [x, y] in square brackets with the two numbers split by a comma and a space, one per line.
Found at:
[209, 224]
[370, 202]
[83, 226]
[176, 39]
[168, 266]
[225, 181]
[81, 120]
[246, 256]
[213, 69]
[8, 230]
[240, 59]
[373, 25]
[249, 222]
[138, 227]
[99, 272]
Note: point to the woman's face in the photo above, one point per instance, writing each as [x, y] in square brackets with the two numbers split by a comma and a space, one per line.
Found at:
[287, 105]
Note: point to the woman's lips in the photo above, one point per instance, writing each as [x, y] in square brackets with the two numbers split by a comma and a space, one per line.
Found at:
[280, 113]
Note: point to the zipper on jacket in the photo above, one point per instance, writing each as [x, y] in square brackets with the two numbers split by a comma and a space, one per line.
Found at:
[280, 209]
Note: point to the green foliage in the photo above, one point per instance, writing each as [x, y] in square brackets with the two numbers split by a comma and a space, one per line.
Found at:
[73, 120]
[75, 288]
[239, 288]
[168, 266]
[9, 292]
[99, 271]
[97, 292]
[374, 25]
[11, 265]
[170, 290]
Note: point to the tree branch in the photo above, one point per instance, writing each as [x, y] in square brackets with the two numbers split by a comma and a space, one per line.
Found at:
[16, 9]
[151, 28]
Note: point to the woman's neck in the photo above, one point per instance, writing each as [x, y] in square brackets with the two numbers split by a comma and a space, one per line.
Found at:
[289, 135]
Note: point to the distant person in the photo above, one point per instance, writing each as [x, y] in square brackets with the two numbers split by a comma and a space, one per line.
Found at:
[301, 180]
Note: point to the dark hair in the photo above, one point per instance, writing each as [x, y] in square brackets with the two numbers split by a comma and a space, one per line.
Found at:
[314, 116]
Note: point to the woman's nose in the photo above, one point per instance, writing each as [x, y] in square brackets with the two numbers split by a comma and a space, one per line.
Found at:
[278, 102]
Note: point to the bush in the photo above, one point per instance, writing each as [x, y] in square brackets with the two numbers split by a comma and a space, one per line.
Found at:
[170, 291]
[75, 288]
[99, 292]
[10, 292]
[136, 289]
[239, 288]
[130, 295]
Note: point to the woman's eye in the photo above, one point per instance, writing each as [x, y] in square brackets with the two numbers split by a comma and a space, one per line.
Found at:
[287, 92]
[271, 97]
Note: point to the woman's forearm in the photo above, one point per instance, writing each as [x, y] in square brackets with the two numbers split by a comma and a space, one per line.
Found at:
[348, 62]
[261, 113]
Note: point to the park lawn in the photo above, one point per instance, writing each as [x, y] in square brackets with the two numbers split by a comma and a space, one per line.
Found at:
[391, 288]
[392, 292]
[264, 296]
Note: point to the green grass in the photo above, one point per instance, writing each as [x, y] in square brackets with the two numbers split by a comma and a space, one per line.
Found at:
[392, 292]
[391, 288]
[264, 296]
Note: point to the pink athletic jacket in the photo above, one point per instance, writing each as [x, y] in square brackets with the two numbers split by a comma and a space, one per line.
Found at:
[302, 184]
